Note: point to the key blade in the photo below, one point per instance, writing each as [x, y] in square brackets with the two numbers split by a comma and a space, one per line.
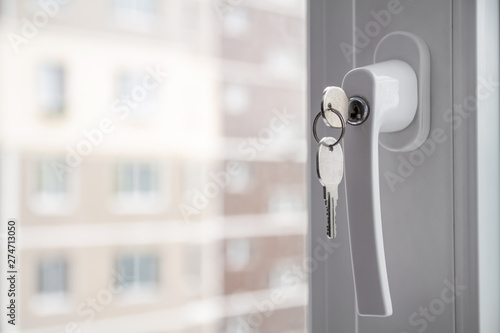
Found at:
[329, 224]
[333, 195]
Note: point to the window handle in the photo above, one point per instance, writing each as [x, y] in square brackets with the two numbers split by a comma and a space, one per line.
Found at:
[390, 90]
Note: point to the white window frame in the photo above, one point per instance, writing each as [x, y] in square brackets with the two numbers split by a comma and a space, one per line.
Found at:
[137, 202]
[136, 290]
[52, 303]
[476, 157]
[45, 202]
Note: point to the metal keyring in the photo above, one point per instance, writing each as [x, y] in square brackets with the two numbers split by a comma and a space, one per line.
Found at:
[342, 121]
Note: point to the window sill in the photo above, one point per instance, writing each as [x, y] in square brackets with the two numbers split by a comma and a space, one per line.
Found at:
[46, 305]
[139, 295]
[52, 205]
[126, 205]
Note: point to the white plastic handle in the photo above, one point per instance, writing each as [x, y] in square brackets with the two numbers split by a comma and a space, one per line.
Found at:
[390, 88]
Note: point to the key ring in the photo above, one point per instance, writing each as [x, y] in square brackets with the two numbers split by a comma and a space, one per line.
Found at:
[342, 121]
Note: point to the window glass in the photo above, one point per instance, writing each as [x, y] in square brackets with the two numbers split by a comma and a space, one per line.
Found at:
[136, 179]
[138, 271]
[241, 180]
[285, 199]
[52, 277]
[238, 254]
[236, 99]
[51, 90]
[51, 186]
[49, 182]
[154, 156]
[142, 100]
[136, 12]
[236, 23]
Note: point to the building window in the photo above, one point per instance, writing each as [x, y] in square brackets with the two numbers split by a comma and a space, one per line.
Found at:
[285, 199]
[51, 187]
[51, 84]
[136, 6]
[137, 181]
[240, 182]
[143, 102]
[238, 254]
[283, 63]
[236, 22]
[135, 13]
[52, 277]
[138, 272]
[190, 17]
[280, 275]
[49, 181]
[236, 99]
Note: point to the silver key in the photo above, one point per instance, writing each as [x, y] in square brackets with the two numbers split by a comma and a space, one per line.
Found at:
[330, 168]
[334, 98]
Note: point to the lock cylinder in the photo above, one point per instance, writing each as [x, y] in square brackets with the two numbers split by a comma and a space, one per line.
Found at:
[358, 110]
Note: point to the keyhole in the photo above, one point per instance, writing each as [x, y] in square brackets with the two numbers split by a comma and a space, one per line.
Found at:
[355, 112]
[358, 111]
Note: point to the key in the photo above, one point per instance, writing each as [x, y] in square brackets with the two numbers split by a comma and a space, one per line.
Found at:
[334, 98]
[330, 168]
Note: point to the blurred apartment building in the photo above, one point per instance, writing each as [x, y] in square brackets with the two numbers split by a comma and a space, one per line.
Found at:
[153, 152]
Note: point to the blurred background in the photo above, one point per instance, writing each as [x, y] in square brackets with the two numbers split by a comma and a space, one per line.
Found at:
[153, 153]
